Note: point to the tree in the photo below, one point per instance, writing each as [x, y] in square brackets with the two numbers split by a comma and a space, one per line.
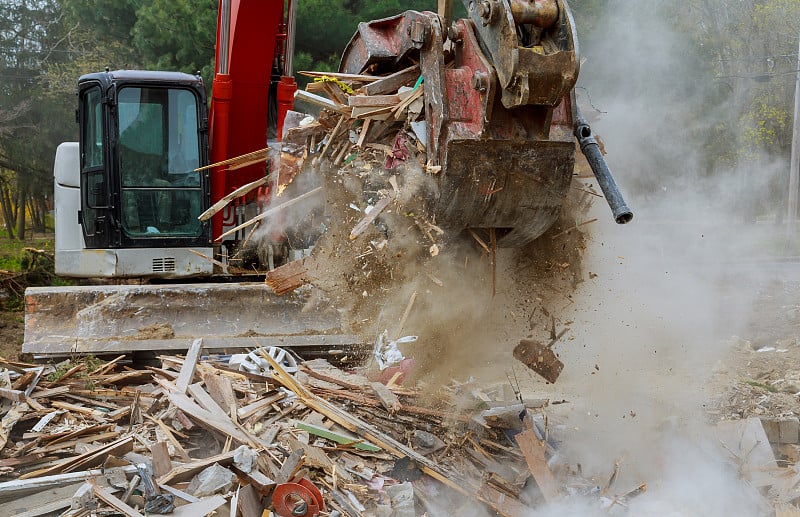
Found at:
[177, 35]
[30, 32]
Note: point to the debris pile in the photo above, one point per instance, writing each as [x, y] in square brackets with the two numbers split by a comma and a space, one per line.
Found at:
[199, 433]
[264, 431]
[368, 147]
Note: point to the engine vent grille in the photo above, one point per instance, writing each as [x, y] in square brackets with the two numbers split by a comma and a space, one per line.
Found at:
[163, 265]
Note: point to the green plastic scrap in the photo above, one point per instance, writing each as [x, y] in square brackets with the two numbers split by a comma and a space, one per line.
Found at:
[336, 437]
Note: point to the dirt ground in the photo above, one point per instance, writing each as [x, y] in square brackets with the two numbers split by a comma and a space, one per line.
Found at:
[12, 327]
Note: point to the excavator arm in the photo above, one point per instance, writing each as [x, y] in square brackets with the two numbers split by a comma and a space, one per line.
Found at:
[500, 108]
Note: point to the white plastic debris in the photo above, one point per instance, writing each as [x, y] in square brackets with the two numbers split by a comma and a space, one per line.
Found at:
[386, 352]
[254, 362]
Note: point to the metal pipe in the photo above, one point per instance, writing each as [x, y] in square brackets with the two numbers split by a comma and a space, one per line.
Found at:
[224, 36]
[591, 150]
[288, 60]
[541, 13]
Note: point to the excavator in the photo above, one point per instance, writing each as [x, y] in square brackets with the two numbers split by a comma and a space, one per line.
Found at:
[499, 109]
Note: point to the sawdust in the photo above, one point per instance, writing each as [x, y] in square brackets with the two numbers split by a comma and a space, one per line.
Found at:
[155, 331]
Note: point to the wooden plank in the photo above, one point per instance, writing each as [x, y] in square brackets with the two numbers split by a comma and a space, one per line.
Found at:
[369, 432]
[189, 470]
[12, 394]
[132, 484]
[171, 437]
[126, 377]
[160, 454]
[51, 392]
[22, 487]
[362, 135]
[94, 413]
[88, 400]
[503, 504]
[391, 83]
[206, 402]
[258, 405]
[533, 449]
[236, 159]
[40, 501]
[539, 358]
[372, 101]
[179, 493]
[340, 76]
[189, 365]
[271, 211]
[208, 419]
[290, 466]
[241, 191]
[92, 429]
[86, 460]
[255, 478]
[321, 102]
[250, 502]
[29, 459]
[379, 113]
[202, 507]
[62, 446]
[368, 219]
[23, 380]
[316, 458]
[113, 500]
[388, 399]
[220, 388]
[335, 93]
[105, 368]
[9, 420]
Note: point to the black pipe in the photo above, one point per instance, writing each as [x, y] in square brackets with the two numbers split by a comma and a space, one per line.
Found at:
[590, 149]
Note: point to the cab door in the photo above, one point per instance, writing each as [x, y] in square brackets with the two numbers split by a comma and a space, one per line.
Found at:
[95, 214]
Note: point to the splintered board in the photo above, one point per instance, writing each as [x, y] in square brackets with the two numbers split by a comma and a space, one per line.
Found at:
[539, 358]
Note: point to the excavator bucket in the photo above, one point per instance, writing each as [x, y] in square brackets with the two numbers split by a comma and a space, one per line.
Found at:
[499, 109]
[113, 319]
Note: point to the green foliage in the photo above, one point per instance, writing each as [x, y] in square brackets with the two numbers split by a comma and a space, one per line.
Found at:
[325, 26]
[89, 362]
[765, 123]
[24, 264]
[177, 35]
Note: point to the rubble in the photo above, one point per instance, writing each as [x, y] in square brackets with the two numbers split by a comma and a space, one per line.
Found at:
[194, 435]
[191, 435]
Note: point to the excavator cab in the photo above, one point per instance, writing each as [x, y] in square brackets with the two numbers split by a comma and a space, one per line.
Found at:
[142, 135]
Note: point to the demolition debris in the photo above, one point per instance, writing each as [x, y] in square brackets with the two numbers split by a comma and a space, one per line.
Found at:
[201, 433]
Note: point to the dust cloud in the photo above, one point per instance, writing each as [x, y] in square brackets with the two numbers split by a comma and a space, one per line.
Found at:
[650, 307]
[671, 289]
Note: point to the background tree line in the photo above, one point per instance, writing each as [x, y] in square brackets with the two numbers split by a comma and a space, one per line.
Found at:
[744, 53]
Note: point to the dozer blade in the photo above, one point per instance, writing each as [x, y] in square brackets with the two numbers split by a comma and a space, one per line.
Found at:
[122, 319]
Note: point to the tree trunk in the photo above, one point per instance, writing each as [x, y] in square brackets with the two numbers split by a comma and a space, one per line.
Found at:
[21, 196]
[5, 205]
[35, 204]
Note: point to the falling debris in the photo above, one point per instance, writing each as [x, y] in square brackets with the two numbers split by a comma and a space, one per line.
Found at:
[539, 358]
